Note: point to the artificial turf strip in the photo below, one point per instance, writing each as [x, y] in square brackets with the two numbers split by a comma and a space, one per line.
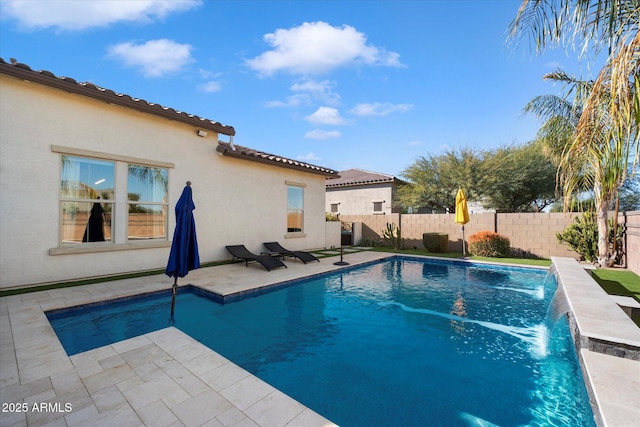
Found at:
[618, 282]
[91, 281]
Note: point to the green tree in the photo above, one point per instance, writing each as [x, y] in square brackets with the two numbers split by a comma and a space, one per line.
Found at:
[507, 179]
[435, 180]
[517, 179]
[560, 116]
[606, 139]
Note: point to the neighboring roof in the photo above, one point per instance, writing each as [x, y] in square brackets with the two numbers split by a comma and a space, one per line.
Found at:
[90, 90]
[356, 177]
[237, 151]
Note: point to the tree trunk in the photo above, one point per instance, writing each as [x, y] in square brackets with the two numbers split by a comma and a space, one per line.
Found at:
[602, 205]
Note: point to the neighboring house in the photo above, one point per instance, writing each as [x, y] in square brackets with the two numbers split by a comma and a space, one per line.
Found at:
[73, 154]
[359, 192]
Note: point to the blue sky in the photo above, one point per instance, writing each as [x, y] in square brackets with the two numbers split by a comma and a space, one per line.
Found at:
[342, 84]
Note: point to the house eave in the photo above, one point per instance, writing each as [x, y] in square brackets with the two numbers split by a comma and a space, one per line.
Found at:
[366, 183]
[46, 78]
[272, 160]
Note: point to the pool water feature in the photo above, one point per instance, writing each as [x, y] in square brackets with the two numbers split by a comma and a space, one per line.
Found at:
[398, 342]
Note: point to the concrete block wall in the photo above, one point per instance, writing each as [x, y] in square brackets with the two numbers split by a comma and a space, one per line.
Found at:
[532, 234]
[372, 225]
[633, 240]
[535, 233]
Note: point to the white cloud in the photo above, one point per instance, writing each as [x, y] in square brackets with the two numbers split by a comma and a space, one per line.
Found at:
[326, 116]
[322, 134]
[308, 91]
[81, 15]
[310, 157]
[206, 74]
[155, 57]
[209, 87]
[317, 47]
[320, 90]
[379, 109]
[291, 101]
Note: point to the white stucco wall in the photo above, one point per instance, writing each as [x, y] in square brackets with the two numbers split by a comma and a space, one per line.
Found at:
[359, 200]
[237, 201]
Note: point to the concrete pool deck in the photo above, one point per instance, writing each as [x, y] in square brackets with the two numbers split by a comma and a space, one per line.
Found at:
[166, 378]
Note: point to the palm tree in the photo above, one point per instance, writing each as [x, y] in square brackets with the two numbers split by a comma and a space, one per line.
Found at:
[561, 116]
[606, 139]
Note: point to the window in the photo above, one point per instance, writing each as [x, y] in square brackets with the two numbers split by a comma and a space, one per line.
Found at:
[377, 207]
[87, 189]
[295, 209]
[334, 207]
[110, 200]
[147, 202]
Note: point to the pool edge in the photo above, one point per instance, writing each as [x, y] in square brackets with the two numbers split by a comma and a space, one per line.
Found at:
[602, 333]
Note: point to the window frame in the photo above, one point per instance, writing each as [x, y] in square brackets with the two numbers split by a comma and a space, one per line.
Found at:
[301, 233]
[163, 204]
[120, 205]
[68, 201]
[381, 204]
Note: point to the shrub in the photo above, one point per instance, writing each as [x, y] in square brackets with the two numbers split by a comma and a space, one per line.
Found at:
[489, 244]
[328, 216]
[582, 236]
[435, 242]
[370, 242]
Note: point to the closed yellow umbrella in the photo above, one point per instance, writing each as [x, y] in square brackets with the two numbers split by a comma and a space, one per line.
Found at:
[462, 214]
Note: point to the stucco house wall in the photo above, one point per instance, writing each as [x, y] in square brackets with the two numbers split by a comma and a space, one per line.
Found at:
[361, 192]
[237, 201]
[359, 200]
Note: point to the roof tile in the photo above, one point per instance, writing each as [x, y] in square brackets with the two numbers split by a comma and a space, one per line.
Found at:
[238, 151]
[47, 78]
[89, 89]
[353, 177]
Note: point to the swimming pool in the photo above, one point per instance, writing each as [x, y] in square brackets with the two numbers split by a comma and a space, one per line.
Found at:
[398, 342]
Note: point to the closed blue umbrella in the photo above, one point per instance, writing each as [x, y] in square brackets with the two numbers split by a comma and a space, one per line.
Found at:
[184, 247]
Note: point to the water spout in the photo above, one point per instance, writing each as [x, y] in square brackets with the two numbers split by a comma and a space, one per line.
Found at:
[550, 283]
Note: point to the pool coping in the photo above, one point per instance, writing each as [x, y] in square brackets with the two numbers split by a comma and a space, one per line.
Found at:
[34, 367]
[607, 342]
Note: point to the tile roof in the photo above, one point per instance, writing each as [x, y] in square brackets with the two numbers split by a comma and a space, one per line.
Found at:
[237, 151]
[68, 84]
[90, 90]
[353, 177]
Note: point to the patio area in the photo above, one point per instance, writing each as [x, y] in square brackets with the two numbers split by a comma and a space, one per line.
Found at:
[166, 378]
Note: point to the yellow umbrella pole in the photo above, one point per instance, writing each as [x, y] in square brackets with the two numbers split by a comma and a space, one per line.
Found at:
[464, 253]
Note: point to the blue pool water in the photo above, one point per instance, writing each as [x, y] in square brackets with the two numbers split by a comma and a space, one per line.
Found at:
[400, 342]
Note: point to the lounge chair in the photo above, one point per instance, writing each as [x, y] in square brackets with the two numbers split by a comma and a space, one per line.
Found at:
[302, 256]
[268, 262]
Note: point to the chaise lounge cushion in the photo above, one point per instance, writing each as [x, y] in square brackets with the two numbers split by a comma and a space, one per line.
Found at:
[301, 255]
[241, 252]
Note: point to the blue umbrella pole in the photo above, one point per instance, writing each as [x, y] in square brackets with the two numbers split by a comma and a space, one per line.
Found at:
[174, 291]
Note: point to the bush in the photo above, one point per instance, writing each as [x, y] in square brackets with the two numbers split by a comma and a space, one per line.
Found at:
[489, 244]
[435, 242]
[328, 216]
[370, 242]
[582, 236]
